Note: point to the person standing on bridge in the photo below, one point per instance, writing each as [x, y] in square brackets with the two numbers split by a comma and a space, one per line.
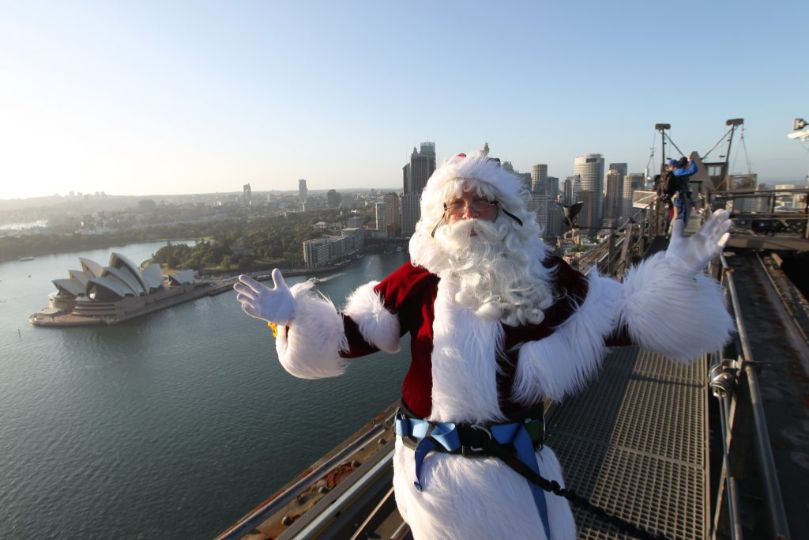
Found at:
[497, 325]
[680, 172]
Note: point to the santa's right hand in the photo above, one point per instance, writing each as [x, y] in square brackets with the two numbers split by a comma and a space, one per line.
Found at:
[273, 305]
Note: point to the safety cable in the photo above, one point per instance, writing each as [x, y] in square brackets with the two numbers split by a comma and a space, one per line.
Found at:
[553, 486]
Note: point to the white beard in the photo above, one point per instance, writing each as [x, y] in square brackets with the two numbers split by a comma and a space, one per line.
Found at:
[498, 277]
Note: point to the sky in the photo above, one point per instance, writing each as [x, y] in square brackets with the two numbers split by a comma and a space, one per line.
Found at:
[153, 97]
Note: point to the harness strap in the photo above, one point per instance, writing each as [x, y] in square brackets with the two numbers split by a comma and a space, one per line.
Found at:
[511, 438]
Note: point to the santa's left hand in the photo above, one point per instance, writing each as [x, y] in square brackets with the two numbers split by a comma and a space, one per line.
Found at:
[693, 253]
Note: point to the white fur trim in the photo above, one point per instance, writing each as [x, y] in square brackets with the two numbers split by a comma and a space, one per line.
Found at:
[563, 362]
[467, 498]
[378, 326]
[310, 349]
[464, 370]
[672, 313]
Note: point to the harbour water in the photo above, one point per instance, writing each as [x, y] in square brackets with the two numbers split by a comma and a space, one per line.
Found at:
[170, 426]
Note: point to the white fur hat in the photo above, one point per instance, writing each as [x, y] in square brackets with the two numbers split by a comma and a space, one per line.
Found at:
[473, 172]
[478, 172]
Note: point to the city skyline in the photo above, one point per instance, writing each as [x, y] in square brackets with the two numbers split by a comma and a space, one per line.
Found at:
[151, 99]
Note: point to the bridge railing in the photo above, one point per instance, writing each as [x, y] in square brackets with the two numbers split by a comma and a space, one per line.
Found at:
[628, 239]
[768, 212]
[734, 382]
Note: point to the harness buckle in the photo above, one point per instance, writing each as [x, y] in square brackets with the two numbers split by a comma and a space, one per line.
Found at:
[473, 450]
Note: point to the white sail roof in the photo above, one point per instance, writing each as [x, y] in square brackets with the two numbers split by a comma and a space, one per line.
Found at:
[153, 276]
[183, 277]
[91, 267]
[118, 260]
[110, 284]
[79, 275]
[72, 287]
[128, 278]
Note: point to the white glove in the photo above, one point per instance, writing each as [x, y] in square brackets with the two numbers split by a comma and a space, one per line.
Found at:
[693, 253]
[272, 305]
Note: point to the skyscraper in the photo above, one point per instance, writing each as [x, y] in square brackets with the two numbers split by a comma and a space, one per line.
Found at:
[539, 177]
[381, 215]
[247, 194]
[614, 200]
[553, 188]
[416, 173]
[302, 191]
[568, 192]
[393, 219]
[333, 198]
[590, 169]
[632, 182]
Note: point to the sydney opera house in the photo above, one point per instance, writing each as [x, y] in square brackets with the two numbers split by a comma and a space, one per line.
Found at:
[114, 293]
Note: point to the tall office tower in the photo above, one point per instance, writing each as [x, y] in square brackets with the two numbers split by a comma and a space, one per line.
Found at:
[553, 188]
[632, 182]
[416, 173]
[381, 215]
[590, 168]
[554, 223]
[393, 219]
[333, 199]
[620, 167]
[247, 194]
[526, 180]
[302, 191]
[614, 201]
[540, 203]
[539, 178]
[637, 180]
[410, 213]
[568, 197]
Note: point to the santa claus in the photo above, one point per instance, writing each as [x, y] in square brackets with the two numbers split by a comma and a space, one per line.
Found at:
[497, 325]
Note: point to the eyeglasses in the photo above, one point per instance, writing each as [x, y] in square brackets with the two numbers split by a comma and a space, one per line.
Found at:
[477, 206]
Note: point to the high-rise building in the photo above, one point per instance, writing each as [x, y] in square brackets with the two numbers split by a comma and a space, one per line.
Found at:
[393, 219]
[590, 169]
[632, 182]
[247, 194]
[302, 191]
[333, 199]
[614, 200]
[568, 193]
[540, 203]
[553, 188]
[410, 213]
[539, 178]
[416, 173]
[381, 215]
[637, 180]
[622, 168]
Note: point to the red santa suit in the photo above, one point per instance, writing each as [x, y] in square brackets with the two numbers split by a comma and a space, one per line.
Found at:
[468, 368]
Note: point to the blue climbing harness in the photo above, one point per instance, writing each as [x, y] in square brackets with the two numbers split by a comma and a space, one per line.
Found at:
[520, 439]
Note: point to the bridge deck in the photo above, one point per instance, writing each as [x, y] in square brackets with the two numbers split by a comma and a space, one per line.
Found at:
[635, 443]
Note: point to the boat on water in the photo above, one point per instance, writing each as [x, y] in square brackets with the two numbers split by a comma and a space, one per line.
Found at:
[23, 259]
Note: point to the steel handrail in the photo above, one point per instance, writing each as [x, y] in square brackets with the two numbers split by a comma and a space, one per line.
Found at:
[766, 462]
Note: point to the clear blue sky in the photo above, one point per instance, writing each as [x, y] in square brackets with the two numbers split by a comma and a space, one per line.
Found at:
[145, 97]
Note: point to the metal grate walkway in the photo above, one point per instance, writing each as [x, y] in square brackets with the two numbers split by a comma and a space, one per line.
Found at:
[635, 443]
